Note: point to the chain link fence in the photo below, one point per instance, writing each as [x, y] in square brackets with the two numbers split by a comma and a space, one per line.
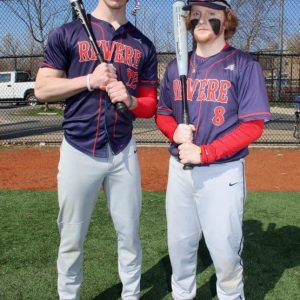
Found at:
[268, 29]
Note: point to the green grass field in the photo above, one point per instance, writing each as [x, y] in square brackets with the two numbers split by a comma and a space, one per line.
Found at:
[29, 240]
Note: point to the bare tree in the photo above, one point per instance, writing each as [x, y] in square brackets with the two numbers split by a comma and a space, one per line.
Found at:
[149, 22]
[293, 43]
[39, 16]
[10, 47]
[152, 27]
[259, 23]
[31, 59]
[20, 54]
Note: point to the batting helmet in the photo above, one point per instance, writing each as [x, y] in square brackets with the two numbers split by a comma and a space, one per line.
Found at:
[214, 4]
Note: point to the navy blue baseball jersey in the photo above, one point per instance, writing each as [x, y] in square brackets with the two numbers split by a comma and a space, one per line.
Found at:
[90, 119]
[222, 91]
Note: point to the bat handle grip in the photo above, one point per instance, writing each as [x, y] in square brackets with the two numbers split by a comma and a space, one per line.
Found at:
[120, 106]
[186, 120]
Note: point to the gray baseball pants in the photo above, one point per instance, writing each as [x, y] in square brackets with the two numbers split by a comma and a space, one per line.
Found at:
[206, 201]
[80, 177]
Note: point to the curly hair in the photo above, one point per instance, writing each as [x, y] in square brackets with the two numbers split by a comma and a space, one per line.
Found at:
[231, 20]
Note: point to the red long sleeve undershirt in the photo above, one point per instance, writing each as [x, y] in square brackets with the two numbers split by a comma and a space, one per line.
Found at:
[167, 125]
[146, 102]
[229, 144]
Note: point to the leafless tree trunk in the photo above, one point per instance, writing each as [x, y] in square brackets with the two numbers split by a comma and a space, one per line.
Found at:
[259, 23]
[10, 47]
[293, 43]
[38, 16]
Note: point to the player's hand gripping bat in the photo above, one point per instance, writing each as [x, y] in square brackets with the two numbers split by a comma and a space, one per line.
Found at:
[80, 12]
[180, 35]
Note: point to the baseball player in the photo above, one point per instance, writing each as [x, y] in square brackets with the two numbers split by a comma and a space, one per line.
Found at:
[98, 146]
[228, 105]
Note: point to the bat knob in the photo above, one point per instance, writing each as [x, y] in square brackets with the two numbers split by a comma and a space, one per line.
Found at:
[121, 107]
[187, 167]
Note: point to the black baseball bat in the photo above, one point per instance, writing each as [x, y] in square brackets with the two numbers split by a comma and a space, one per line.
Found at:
[180, 35]
[80, 12]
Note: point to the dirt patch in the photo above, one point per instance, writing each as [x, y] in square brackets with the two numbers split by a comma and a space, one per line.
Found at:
[36, 169]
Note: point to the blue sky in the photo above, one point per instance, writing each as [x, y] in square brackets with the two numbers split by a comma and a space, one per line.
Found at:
[292, 15]
[10, 24]
[160, 14]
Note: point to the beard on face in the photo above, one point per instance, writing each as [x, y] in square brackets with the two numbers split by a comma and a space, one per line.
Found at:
[205, 36]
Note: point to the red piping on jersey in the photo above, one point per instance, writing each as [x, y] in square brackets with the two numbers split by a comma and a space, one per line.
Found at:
[165, 108]
[100, 99]
[98, 123]
[206, 75]
[254, 114]
[101, 29]
[103, 37]
[117, 70]
[218, 61]
[129, 29]
[191, 61]
[48, 66]
[118, 78]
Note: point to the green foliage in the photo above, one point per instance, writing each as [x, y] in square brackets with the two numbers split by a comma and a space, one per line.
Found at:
[29, 241]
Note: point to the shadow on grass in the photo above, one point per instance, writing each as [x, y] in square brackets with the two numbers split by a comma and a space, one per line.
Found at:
[267, 254]
[157, 280]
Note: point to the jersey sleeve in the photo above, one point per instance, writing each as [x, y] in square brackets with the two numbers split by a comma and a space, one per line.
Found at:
[252, 94]
[148, 74]
[164, 103]
[56, 53]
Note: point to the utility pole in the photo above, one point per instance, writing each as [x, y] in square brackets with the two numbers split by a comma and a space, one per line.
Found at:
[281, 32]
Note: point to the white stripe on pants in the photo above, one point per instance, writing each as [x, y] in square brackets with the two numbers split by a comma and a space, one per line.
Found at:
[79, 179]
[206, 201]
